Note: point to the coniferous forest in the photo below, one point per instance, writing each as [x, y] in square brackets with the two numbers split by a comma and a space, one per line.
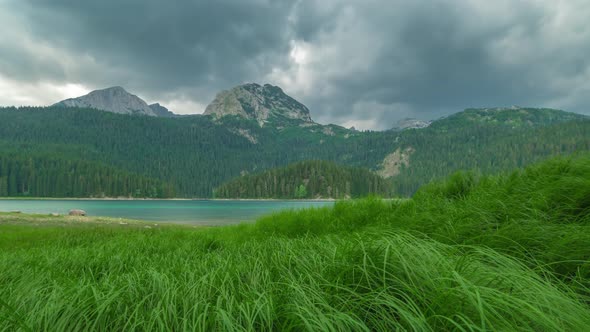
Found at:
[54, 177]
[307, 179]
[189, 156]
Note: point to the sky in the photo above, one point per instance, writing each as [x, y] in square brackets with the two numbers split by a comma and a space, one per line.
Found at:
[356, 63]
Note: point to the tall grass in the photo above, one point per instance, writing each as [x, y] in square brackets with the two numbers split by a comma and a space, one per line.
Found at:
[540, 215]
[473, 253]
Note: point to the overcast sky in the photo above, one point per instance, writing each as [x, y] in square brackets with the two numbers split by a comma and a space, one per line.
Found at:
[366, 63]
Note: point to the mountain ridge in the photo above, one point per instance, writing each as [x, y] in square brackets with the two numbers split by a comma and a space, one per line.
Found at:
[514, 117]
[268, 104]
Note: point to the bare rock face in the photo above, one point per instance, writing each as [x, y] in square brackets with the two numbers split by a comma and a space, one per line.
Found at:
[409, 123]
[115, 100]
[246, 134]
[393, 162]
[76, 212]
[264, 104]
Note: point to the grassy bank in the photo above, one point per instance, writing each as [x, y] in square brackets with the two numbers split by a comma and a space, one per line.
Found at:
[51, 220]
[472, 253]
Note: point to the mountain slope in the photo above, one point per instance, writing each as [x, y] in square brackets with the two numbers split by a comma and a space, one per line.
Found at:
[263, 104]
[114, 99]
[306, 179]
[199, 153]
[489, 140]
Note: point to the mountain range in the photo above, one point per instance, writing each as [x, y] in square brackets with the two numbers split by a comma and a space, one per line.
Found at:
[251, 129]
[262, 103]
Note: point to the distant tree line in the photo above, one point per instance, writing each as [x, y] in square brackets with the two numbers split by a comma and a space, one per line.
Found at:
[51, 177]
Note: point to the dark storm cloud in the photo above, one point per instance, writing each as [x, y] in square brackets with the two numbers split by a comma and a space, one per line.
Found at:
[366, 62]
[156, 45]
[437, 57]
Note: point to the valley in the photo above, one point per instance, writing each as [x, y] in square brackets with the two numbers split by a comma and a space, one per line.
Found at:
[303, 166]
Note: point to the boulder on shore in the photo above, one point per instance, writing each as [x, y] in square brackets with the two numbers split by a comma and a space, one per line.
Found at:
[76, 212]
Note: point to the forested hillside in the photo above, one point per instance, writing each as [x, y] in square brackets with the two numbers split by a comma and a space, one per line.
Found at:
[46, 176]
[193, 153]
[307, 179]
[198, 153]
[466, 141]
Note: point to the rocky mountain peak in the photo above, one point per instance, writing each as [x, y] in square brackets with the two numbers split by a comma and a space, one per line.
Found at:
[263, 103]
[161, 111]
[114, 99]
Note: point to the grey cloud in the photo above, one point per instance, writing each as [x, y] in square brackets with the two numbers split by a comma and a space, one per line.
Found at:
[160, 46]
[443, 56]
[372, 61]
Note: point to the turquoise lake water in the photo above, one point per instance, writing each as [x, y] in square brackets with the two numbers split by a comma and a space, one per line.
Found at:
[202, 212]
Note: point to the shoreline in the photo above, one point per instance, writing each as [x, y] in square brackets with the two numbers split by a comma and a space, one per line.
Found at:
[165, 199]
[38, 219]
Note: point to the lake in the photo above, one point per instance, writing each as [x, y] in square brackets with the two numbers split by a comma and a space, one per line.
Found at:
[201, 212]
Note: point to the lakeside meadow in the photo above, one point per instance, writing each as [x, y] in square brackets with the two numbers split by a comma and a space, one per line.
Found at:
[295, 166]
[509, 252]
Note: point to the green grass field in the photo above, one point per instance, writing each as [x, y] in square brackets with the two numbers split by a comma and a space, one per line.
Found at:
[473, 253]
